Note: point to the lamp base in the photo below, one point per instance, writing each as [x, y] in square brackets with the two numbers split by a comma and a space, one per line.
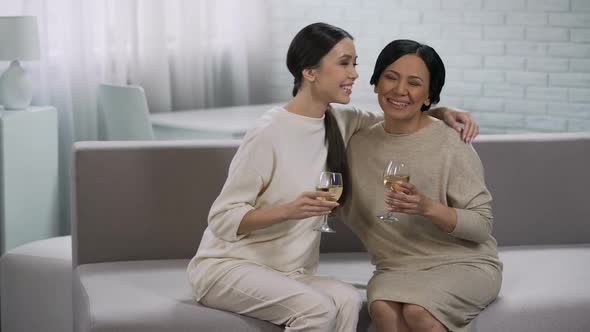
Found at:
[16, 89]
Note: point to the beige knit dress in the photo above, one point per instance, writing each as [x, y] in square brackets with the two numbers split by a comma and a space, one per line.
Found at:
[453, 275]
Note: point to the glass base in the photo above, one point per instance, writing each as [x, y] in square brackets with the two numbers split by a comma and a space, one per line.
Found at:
[389, 217]
[325, 228]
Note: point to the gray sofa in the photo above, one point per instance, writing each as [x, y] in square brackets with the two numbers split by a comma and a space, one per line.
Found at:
[140, 209]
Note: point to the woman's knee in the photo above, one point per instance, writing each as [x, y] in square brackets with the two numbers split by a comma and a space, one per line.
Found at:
[319, 312]
[348, 297]
[418, 316]
[385, 311]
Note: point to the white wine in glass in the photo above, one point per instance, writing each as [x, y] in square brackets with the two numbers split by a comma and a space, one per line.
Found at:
[329, 182]
[393, 173]
[335, 190]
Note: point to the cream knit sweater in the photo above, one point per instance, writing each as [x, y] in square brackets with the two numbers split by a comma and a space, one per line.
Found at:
[279, 158]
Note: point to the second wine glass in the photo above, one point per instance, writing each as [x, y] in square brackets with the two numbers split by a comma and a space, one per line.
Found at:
[329, 182]
[395, 171]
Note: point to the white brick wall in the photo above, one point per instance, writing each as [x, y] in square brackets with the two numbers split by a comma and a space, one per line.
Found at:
[547, 94]
[504, 91]
[579, 95]
[461, 4]
[526, 78]
[552, 34]
[548, 5]
[504, 32]
[518, 65]
[508, 5]
[580, 6]
[550, 65]
[582, 65]
[546, 123]
[578, 125]
[526, 18]
[580, 35]
[503, 62]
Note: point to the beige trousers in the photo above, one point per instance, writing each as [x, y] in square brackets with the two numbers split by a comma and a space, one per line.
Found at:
[299, 302]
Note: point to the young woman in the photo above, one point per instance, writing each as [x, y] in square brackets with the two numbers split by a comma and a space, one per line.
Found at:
[260, 250]
[437, 267]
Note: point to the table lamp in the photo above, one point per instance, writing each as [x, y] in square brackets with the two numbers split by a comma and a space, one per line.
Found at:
[19, 40]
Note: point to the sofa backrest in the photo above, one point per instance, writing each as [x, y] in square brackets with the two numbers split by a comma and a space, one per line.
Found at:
[540, 187]
[138, 200]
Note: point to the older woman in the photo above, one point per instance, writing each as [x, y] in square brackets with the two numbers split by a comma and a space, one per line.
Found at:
[436, 266]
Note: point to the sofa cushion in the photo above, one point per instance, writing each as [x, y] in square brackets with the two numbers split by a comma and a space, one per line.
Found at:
[155, 295]
[544, 288]
[354, 268]
[147, 296]
[150, 295]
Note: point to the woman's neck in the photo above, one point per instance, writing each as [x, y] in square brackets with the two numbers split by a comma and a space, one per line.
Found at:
[304, 104]
[406, 126]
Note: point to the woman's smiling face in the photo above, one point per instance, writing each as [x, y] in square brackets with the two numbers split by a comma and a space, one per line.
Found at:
[336, 73]
[403, 88]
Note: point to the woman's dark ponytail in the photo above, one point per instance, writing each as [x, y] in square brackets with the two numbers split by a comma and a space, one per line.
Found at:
[336, 161]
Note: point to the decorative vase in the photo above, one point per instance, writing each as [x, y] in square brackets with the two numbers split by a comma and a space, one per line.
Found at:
[16, 89]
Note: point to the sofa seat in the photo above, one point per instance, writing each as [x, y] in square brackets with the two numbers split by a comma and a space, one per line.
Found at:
[536, 294]
[153, 295]
[148, 296]
[544, 288]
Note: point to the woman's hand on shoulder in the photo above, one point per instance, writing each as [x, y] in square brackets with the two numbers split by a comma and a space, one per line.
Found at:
[309, 204]
[454, 118]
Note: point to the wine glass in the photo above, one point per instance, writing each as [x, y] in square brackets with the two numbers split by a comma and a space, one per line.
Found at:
[394, 171]
[329, 182]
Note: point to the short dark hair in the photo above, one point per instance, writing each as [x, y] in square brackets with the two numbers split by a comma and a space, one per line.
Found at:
[398, 48]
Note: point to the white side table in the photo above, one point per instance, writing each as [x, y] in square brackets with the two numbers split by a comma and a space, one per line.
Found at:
[29, 184]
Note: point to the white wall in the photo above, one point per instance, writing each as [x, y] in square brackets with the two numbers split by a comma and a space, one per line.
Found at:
[518, 65]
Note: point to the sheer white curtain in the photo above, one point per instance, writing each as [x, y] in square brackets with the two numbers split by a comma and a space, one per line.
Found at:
[185, 53]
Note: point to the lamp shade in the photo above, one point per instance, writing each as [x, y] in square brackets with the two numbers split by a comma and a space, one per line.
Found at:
[19, 38]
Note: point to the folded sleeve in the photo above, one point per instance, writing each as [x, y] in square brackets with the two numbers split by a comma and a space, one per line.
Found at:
[365, 119]
[249, 173]
[351, 119]
[467, 193]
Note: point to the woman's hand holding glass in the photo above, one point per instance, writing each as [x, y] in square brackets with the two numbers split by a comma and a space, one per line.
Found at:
[394, 172]
[329, 182]
[309, 204]
[407, 199]
[410, 201]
